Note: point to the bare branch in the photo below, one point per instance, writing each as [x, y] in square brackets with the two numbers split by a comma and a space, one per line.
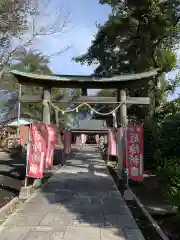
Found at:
[14, 51]
[41, 14]
[38, 27]
[59, 53]
[56, 28]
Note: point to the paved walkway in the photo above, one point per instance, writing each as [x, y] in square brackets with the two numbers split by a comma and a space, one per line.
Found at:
[80, 202]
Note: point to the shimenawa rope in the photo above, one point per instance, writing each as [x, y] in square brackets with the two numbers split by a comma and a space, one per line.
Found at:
[88, 105]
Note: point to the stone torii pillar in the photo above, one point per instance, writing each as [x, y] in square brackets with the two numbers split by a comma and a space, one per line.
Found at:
[46, 119]
[122, 122]
[46, 107]
[97, 139]
[83, 139]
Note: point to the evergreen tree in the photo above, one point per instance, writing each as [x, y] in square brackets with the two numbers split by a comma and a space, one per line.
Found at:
[138, 36]
[32, 62]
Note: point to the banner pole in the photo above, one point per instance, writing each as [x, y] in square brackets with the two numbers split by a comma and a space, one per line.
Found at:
[25, 182]
[27, 154]
[19, 110]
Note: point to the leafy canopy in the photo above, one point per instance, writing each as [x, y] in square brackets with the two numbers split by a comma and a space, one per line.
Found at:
[139, 35]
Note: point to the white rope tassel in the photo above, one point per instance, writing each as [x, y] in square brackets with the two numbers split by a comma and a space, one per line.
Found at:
[114, 119]
[76, 117]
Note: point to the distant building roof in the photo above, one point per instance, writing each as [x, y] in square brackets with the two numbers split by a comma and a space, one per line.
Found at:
[21, 121]
[92, 125]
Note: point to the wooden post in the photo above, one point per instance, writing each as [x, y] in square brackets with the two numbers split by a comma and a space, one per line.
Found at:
[56, 116]
[84, 92]
[46, 108]
[118, 99]
[19, 110]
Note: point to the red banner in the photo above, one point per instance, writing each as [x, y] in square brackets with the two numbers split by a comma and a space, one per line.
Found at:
[52, 136]
[21, 140]
[36, 150]
[135, 151]
[112, 148]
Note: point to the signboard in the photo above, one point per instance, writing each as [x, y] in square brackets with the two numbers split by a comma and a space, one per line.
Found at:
[24, 134]
[36, 150]
[135, 151]
[51, 142]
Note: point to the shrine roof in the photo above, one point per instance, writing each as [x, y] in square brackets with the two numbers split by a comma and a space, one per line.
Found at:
[92, 125]
[82, 81]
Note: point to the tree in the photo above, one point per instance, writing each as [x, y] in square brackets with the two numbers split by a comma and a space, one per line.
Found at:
[138, 36]
[33, 62]
[12, 21]
[162, 149]
[23, 22]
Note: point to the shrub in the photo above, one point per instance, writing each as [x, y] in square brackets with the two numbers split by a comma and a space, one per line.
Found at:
[169, 177]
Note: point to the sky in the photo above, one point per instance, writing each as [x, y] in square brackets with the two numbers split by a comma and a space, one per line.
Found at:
[79, 32]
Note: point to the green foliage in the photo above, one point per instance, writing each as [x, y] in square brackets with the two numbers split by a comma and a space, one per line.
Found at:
[151, 144]
[170, 134]
[33, 62]
[138, 36]
[169, 108]
[169, 177]
[162, 148]
[162, 135]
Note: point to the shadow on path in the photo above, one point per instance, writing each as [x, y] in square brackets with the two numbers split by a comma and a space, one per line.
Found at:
[84, 194]
[80, 202]
[12, 173]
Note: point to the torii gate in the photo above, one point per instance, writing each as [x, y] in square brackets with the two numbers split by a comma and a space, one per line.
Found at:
[119, 82]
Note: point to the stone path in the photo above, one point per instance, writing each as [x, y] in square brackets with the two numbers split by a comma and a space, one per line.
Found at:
[80, 202]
